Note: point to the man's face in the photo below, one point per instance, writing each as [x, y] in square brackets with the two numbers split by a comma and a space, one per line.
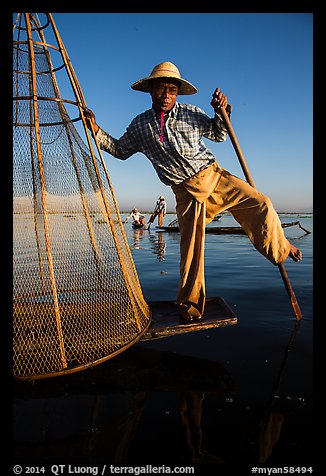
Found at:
[164, 93]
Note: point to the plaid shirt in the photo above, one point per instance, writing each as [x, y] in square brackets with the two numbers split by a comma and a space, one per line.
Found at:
[181, 154]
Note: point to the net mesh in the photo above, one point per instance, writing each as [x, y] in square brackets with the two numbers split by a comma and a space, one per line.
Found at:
[76, 295]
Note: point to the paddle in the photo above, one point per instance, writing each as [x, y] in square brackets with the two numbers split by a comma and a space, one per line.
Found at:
[249, 179]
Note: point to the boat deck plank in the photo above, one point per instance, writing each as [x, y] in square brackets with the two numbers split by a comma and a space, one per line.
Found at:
[165, 318]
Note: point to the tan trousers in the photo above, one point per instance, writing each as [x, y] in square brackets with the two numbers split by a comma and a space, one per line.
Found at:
[199, 199]
[160, 217]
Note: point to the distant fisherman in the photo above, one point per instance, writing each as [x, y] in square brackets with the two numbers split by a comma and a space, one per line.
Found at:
[170, 135]
[138, 218]
[159, 210]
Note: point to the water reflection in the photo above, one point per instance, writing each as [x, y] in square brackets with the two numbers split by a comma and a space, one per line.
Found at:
[138, 236]
[160, 406]
[156, 240]
[271, 422]
[158, 245]
[109, 401]
[100, 415]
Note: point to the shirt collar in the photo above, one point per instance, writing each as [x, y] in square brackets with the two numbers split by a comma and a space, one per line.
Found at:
[172, 113]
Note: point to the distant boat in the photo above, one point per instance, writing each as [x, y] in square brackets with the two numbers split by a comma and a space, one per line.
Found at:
[224, 230]
[138, 225]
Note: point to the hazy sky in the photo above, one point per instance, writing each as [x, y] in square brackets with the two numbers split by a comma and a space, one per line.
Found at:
[263, 62]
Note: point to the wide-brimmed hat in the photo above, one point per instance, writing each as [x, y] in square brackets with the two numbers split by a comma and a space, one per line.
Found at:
[165, 70]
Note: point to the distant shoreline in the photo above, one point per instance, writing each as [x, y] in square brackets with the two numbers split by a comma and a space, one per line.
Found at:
[227, 213]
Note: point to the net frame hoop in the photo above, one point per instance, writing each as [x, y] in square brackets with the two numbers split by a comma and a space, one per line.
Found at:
[41, 43]
[44, 124]
[71, 370]
[35, 42]
[53, 70]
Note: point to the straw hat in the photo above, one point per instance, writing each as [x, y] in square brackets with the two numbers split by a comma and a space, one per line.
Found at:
[161, 197]
[165, 70]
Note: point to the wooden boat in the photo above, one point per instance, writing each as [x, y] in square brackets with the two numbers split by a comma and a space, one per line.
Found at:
[226, 230]
[138, 225]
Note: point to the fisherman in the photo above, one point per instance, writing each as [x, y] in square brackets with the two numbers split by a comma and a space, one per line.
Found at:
[138, 218]
[159, 210]
[170, 135]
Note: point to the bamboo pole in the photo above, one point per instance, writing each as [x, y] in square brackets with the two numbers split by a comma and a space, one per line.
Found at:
[33, 86]
[63, 113]
[237, 148]
[101, 195]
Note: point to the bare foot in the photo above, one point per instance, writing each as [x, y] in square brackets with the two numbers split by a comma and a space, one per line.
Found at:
[295, 253]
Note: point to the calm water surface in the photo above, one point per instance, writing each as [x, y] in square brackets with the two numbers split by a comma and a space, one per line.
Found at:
[238, 396]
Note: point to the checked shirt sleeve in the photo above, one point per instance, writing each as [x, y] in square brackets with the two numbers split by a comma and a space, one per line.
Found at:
[121, 148]
[210, 127]
[216, 129]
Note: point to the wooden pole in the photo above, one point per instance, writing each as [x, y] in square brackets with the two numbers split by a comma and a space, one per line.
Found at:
[101, 195]
[33, 92]
[237, 148]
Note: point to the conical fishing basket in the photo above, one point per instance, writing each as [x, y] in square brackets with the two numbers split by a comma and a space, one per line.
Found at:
[77, 299]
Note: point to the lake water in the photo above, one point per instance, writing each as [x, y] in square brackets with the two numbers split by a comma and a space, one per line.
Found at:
[233, 397]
